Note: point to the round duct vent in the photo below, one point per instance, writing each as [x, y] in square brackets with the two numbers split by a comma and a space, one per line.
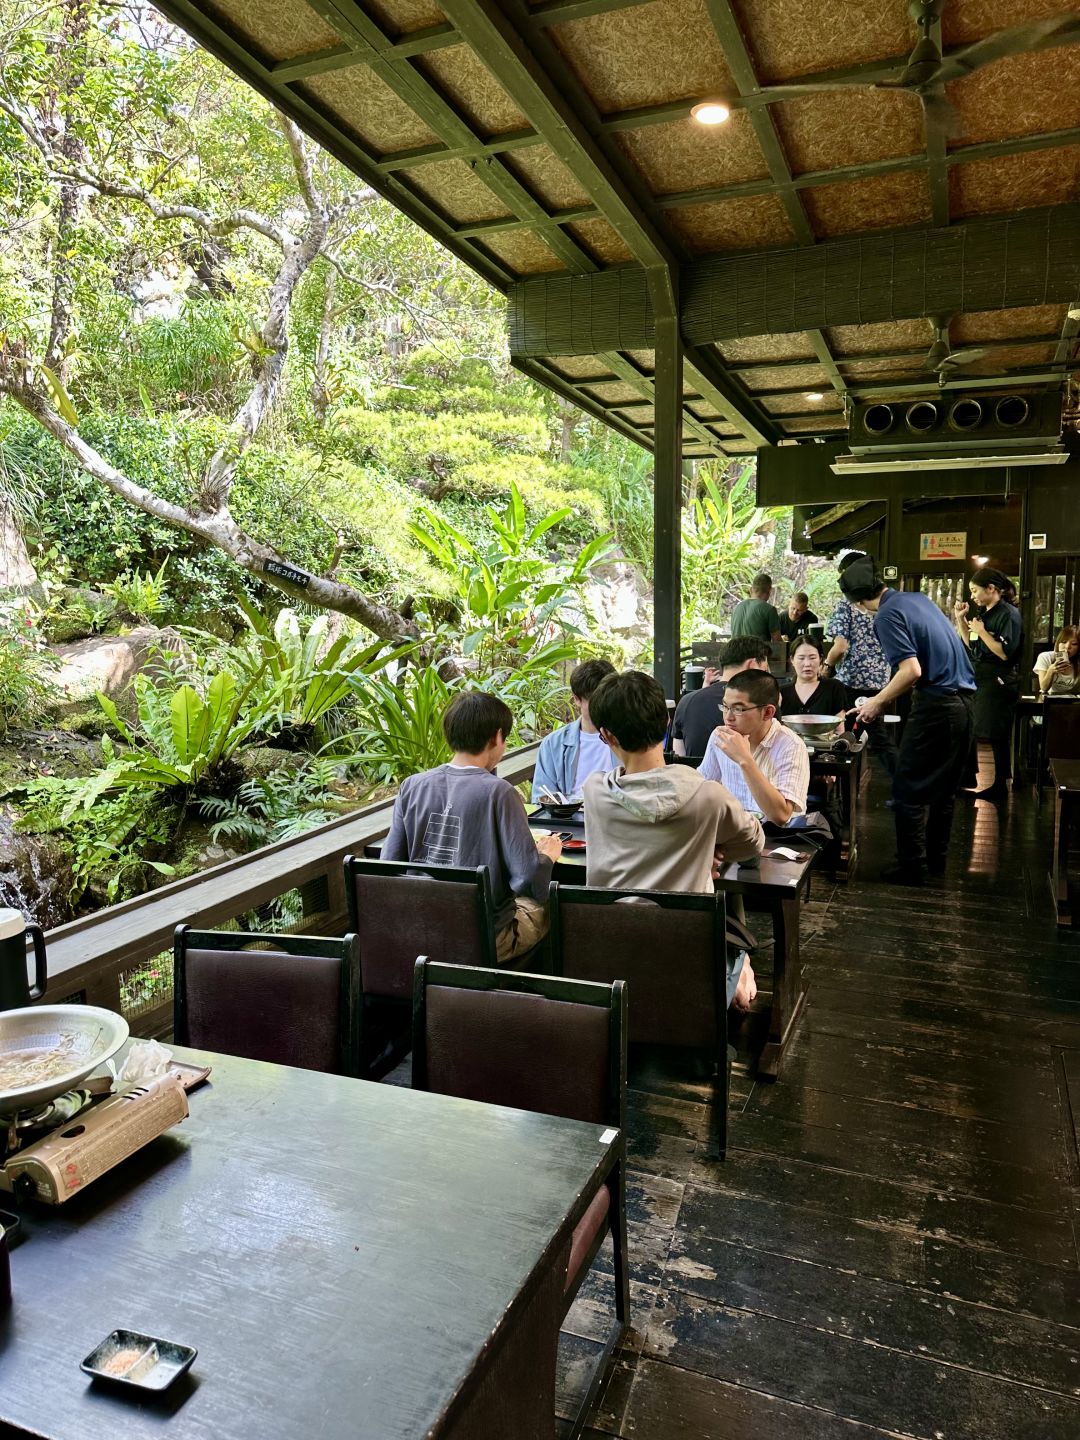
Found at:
[1011, 410]
[878, 419]
[965, 415]
[921, 417]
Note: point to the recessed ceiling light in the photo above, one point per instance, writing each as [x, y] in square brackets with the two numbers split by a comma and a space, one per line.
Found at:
[814, 395]
[710, 112]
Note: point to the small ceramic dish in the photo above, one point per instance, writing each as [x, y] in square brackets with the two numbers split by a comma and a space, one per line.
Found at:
[135, 1361]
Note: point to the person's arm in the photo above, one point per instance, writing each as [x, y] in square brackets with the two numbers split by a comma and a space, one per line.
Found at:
[992, 643]
[962, 623]
[544, 780]
[528, 861]
[774, 806]
[396, 845]
[678, 743]
[1046, 670]
[907, 673]
[739, 835]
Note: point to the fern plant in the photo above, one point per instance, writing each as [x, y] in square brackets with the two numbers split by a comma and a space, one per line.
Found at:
[278, 806]
[141, 593]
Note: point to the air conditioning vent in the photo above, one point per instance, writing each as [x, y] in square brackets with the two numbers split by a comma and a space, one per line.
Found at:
[957, 423]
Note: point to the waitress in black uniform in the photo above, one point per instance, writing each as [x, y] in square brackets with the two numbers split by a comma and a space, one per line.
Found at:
[994, 636]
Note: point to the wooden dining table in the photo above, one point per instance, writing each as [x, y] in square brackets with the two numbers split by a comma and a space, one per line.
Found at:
[349, 1259]
[1066, 778]
[771, 883]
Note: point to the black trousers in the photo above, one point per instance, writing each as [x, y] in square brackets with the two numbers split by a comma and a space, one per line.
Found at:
[878, 739]
[930, 764]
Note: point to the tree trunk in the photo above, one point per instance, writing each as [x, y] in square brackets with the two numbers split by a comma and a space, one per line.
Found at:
[16, 571]
[320, 400]
[76, 22]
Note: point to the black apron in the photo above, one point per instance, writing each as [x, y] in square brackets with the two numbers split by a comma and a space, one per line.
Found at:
[997, 682]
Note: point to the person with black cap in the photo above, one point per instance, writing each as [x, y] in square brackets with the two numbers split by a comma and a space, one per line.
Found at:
[927, 656]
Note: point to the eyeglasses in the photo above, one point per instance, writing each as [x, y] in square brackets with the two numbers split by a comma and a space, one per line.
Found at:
[738, 709]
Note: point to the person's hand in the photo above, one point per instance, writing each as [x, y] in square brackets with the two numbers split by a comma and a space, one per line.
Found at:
[717, 862]
[868, 711]
[1061, 660]
[550, 846]
[960, 609]
[735, 746]
[712, 674]
[978, 627]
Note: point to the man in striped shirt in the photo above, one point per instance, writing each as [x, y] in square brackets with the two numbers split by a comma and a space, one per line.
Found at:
[765, 767]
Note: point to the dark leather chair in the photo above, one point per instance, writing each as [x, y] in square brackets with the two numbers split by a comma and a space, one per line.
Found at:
[398, 910]
[1061, 722]
[289, 999]
[671, 949]
[549, 1045]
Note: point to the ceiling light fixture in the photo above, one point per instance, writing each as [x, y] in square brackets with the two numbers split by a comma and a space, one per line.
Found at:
[710, 112]
[981, 559]
[814, 395]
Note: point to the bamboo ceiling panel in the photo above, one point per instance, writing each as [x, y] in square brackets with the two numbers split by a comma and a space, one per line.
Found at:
[767, 347]
[966, 20]
[1021, 95]
[758, 222]
[1007, 324]
[685, 156]
[579, 367]
[849, 127]
[799, 405]
[601, 240]
[866, 339]
[814, 425]
[401, 17]
[472, 89]
[877, 202]
[1008, 183]
[524, 252]
[647, 55]
[809, 377]
[458, 192]
[797, 37]
[908, 369]
[368, 109]
[294, 30]
[546, 177]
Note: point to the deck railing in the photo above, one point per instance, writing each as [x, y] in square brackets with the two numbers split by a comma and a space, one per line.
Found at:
[109, 958]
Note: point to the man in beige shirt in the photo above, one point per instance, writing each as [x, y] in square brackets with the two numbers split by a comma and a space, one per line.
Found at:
[652, 826]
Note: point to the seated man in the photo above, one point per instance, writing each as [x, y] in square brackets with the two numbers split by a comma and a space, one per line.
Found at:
[697, 714]
[571, 753]
[766, 767]
[462, 813]
[798, 617]
[651, 826]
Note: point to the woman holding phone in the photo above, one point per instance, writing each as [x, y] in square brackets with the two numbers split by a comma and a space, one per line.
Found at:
[993, 635]
[1058, 670]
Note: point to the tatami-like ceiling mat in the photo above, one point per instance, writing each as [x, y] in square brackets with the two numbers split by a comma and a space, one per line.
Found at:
[294, 28]
[767, 347]
[399, 17]
[458, 192]
[800, 405]
[883, 369]
[757, 222]
[646, 55]
[965, 20]
[796, 37]
[1012, 357]
[578, 367]
[1005, 324]
[1022, 95]
[369, 108]
[546, 177]
[1014, 182]
[601, 240]
[849, 127]
[638, 414]
[686, 156]
[812, 377]
[878, 202]
[814, 425]
[615, 392]
[462, 77]
[524, 252]
[891, 335]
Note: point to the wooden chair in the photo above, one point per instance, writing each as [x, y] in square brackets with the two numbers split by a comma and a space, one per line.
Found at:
[554, 1046]
[287, 999]
[671, 949]
[401, 909]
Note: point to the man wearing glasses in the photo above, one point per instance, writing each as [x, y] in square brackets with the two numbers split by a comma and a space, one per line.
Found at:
[766, 767]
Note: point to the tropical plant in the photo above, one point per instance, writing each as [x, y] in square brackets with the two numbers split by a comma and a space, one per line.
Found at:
[400, 731]
[718, 533]
[141, 593]
[25, 666]
[278, 806]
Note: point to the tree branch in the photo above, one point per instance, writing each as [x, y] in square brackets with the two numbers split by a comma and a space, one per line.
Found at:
[301, 164]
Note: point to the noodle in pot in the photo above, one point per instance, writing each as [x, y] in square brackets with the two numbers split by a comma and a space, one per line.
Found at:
[37, 1067]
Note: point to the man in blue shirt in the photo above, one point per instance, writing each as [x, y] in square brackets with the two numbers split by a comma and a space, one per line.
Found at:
[569, 755]
[927, 656]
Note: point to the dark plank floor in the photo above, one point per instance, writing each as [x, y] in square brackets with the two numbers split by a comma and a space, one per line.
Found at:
[892, 1245]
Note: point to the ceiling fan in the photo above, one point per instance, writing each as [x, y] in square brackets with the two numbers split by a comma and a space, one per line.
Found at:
[941, 357]
[927, 70]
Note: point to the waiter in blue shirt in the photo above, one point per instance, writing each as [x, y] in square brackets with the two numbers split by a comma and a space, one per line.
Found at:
[927, 656]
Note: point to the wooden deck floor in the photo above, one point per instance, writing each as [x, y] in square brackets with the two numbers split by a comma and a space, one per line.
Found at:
[892, 1245]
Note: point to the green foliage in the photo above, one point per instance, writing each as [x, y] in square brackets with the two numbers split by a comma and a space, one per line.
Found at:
[278, 806]
[25, 665]
[141, 593]
[400, 730]
[718, 548]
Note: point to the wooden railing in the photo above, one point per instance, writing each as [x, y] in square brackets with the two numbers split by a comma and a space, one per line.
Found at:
[90, 958]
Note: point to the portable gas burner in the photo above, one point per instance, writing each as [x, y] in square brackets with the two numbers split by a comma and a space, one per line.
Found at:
[51, 1152]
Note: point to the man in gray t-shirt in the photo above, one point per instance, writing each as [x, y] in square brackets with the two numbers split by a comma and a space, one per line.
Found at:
[463, 813]
[757, 616]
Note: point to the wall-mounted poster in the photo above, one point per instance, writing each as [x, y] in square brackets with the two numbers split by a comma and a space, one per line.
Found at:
[944, 545]
[1036, 542]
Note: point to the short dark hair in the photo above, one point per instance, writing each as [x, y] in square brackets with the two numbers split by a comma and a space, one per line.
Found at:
[802, 597]
[798, 641]
[987, 575]
[861, 580]
[759, 687]
[742, 648]
[761, 584]
[584, 678]
[472, 720]
[632, 708]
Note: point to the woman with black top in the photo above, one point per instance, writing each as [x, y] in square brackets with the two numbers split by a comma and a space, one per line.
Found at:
[812, 693]
[994, 637]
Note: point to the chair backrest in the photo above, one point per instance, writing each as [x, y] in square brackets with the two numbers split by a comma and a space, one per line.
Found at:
[400, 910]
[289, 999]
[669, 948]
[1062, 720]
[554, 1046]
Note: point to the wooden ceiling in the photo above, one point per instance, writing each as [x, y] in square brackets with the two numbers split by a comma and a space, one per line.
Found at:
[553, 137]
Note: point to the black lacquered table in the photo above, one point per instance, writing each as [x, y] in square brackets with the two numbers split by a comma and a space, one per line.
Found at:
[349, 1260]
[1066, 777]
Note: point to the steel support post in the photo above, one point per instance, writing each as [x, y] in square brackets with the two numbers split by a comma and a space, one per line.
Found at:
[667, 496]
